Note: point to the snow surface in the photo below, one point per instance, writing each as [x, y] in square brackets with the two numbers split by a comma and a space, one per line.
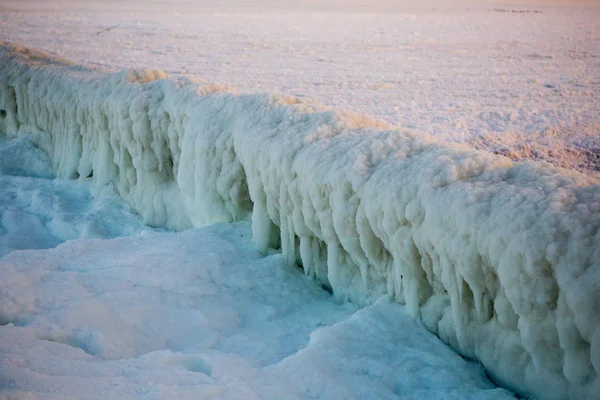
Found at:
[38, 212]
[500, 260]
[522, 84]
[193, 315]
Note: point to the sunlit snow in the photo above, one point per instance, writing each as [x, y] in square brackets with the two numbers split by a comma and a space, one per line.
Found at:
[498, 259]
[520, 84]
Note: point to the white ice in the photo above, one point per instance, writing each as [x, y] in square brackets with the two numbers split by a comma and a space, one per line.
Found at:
[37, 211]
[499, 259]
[198, 314]
[524, 85]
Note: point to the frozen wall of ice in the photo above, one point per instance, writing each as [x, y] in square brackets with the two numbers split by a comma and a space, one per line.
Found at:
[500, 260]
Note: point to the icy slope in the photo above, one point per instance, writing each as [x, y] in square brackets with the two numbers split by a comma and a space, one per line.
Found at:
[500, 260]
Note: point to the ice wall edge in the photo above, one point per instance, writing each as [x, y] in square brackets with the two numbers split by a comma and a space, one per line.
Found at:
[500, 260]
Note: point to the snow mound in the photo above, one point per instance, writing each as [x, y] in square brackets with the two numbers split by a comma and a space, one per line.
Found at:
[500, 260]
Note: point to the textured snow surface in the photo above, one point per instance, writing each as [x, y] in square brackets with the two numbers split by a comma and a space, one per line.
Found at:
[522, 84]
[191, 315]
[199, 315]
[38, 212]
[500, 260]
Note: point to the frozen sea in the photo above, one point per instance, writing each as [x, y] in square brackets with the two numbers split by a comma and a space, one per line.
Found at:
[94, 304]
[518, 78]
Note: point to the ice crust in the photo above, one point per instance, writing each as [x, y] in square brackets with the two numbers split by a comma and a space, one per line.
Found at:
[500, 260]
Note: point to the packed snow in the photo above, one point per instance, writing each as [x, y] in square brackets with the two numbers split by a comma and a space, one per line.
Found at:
[198, 314]
[523, 84]
[38, 212]
[500, 260]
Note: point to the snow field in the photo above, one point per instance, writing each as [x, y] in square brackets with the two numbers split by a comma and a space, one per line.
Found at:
[524, 85]
[500, 260]
[202, 314]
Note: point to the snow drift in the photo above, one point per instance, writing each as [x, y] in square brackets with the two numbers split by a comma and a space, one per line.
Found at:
[500, 260]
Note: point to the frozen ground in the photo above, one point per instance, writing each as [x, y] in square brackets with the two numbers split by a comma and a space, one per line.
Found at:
[522, 84]
[198, 314]
[469, 73]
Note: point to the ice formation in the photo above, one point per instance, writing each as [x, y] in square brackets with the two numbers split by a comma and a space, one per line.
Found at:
[500, 260]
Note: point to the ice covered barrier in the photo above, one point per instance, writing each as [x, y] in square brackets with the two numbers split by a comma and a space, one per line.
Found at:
[500, 260]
